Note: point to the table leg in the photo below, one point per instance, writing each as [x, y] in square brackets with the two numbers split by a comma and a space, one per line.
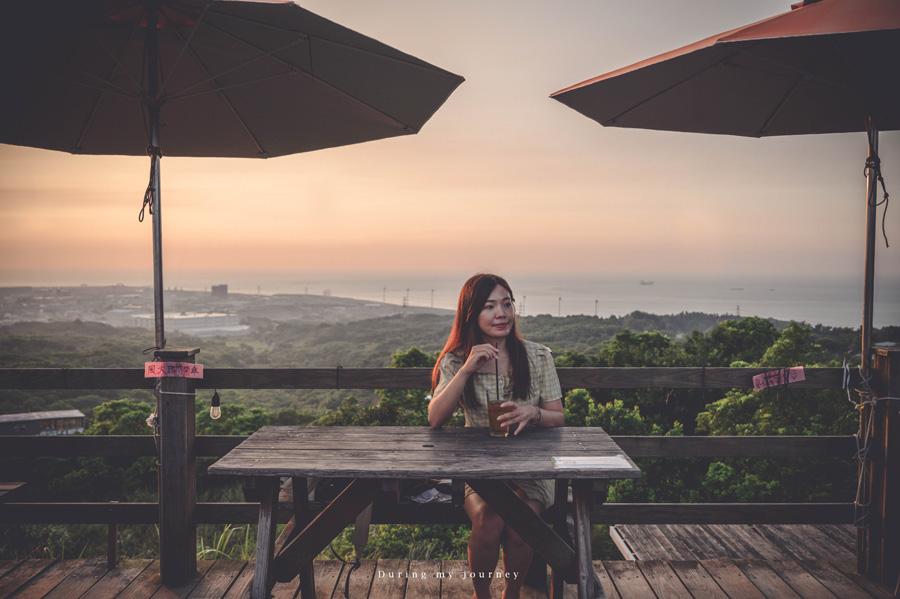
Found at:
[528, 525]
[265, 538]
[589, 586]
[299, 521]
[322, 530]
[560, 527]
[302, 519]
[361, 530]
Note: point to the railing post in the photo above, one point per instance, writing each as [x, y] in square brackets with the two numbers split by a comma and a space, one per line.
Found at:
[883, 538]
[112, 534]
[177, 476]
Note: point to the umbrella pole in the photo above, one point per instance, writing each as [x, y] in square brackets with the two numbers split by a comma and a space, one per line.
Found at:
[155, 155]
[158, 311]
[871, 210]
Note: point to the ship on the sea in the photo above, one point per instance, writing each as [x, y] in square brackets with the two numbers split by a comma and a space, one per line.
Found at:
[643, 282]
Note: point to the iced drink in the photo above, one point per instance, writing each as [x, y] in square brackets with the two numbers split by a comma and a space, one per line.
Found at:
[495, 411]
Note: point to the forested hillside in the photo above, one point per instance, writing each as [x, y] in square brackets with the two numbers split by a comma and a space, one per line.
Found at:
[637, 340]
[365, 343]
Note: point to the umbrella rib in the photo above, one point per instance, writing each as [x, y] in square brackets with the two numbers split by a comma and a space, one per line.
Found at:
[186, 44]
[211, 78]
[103, 85]
[222, 88]
[800, 78]
[719, 62]
[115, 58]
[840, 52]
[417, 64]
[811, 76]
[237, 116]
[423, 67]
[727, 59]
[784, 100]
[115, 90]
[295, 68]
[117, 64]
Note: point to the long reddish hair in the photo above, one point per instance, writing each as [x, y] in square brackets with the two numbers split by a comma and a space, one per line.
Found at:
[466, 334]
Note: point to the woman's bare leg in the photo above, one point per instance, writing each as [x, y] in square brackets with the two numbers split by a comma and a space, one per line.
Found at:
[517, 554]
[484, 543]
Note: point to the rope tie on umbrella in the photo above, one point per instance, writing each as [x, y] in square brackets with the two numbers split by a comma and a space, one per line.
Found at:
[153, 152]
[873, 163]
[148, 202]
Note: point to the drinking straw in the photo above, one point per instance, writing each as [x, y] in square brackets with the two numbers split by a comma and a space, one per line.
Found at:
[497, 372]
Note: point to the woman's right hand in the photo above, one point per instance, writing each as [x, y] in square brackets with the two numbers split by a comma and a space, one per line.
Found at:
[441, 406]
[479, 355]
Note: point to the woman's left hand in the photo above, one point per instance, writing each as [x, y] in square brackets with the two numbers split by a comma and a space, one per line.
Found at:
[522, 415]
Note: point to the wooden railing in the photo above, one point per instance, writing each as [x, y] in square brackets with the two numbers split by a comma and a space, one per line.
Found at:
[626, 513]
[880, 539]
[405, 378]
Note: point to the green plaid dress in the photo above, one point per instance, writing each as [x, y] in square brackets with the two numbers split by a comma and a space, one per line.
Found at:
[544, 389]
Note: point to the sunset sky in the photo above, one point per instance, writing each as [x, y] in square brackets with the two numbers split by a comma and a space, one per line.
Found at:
[502, 178]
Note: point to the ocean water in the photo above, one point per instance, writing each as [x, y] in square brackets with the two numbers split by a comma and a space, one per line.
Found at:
[834, 302]
[830, 301]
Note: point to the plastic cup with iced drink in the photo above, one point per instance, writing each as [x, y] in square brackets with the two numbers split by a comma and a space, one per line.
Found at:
[495, 411]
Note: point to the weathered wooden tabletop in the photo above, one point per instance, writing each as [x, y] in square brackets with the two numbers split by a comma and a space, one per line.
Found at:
[422, 452]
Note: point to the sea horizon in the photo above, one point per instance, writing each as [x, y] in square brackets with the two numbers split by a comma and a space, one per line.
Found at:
[831, 301]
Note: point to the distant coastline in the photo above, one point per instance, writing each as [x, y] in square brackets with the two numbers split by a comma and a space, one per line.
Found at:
[831, 302]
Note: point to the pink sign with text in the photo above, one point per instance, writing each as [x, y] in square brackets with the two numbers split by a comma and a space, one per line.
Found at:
[182, 370]
[774, 378]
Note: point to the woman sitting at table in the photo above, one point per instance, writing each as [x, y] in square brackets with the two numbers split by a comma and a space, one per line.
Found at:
[484, 341]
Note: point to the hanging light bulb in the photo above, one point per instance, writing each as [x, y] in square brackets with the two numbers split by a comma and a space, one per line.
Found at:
[215, 409]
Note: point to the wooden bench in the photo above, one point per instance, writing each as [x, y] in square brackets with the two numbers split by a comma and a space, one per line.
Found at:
[7, 489]
[393, 506]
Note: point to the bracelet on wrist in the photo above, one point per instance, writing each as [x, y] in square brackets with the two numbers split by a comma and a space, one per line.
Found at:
[540, 415]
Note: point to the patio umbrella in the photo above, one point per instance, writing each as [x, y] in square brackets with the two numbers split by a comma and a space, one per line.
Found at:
[828, 66]
[226, 78]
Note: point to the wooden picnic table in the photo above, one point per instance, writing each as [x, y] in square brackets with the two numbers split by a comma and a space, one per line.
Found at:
[369, 455]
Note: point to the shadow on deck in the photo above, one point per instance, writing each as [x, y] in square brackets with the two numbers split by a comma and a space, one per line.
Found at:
[721, 578]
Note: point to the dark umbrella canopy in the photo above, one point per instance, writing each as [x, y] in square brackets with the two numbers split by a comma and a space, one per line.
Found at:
[829, 66]
[240, 79]
[224, 78]
[821, 69]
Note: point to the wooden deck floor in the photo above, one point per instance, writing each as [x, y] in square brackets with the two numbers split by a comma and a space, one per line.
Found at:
[759, 541]
[721, 578]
